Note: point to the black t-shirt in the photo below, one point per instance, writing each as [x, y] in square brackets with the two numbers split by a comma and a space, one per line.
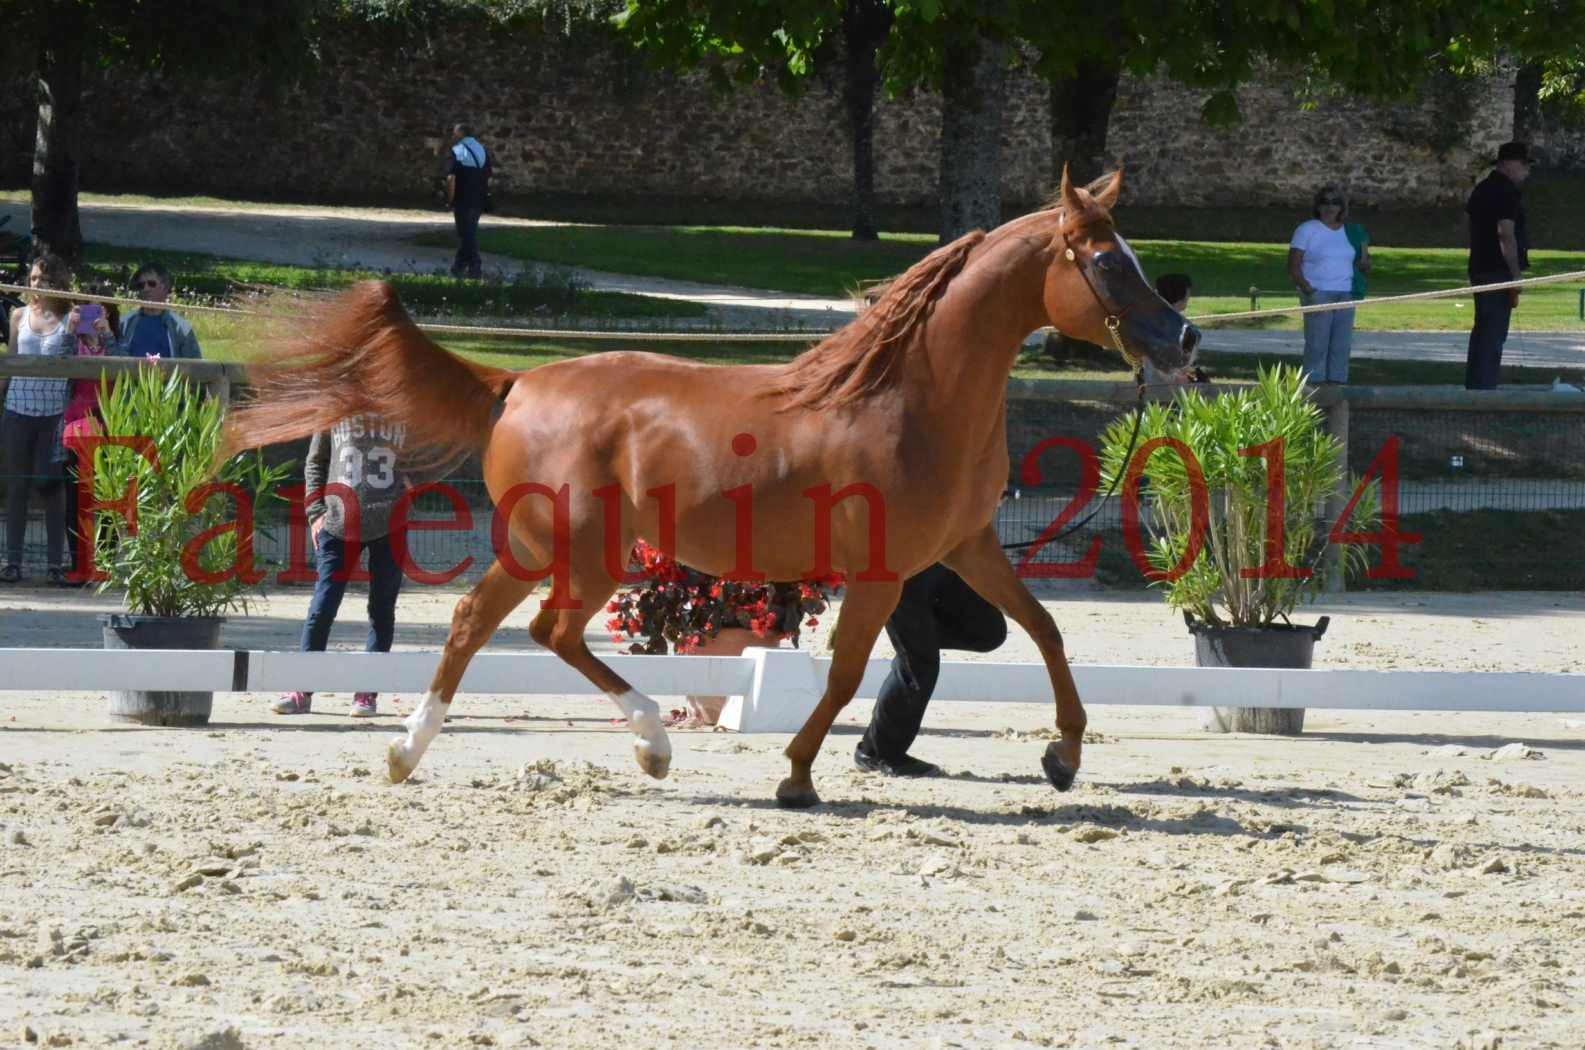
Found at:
[1495, 199]
[472, 179]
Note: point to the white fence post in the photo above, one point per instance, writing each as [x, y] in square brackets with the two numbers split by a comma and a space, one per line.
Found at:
[783, 694]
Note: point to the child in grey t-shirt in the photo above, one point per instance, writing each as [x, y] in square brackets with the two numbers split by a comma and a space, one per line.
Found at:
[366, 455]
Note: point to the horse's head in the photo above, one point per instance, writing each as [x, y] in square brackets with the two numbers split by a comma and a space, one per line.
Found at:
[1094, 289]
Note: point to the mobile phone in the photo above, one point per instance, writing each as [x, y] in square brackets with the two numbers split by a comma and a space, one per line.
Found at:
[87, 315]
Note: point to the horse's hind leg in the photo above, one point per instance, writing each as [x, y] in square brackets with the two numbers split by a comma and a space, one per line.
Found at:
[865, 611]
[475, 619]
[562, 632]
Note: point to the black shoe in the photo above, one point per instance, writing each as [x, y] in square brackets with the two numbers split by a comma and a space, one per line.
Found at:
[907, 766]
[55, 576]
[11, 574]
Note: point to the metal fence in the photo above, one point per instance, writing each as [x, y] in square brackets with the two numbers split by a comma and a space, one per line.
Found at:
[1493, 481]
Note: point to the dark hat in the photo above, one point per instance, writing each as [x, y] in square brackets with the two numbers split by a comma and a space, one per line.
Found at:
[1514, 151]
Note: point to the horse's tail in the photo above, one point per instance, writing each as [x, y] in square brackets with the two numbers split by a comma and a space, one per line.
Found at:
[362, 354]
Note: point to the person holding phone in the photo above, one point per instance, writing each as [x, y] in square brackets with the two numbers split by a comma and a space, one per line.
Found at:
[154, 330]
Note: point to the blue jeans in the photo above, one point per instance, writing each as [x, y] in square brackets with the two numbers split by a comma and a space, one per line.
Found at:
[336, 563]
[1493, 310]
[1328, 338]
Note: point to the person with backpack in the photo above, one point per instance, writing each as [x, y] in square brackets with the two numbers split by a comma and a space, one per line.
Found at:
[468, 193]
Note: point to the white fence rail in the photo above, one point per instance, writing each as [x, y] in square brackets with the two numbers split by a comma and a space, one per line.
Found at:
[773, 690]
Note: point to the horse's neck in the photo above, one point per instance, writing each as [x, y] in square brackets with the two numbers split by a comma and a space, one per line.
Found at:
[972, 339]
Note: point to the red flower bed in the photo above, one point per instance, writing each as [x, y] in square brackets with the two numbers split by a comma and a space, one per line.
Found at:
[682, 608]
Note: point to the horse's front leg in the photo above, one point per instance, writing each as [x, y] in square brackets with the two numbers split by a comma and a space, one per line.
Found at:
[984, 566]
[476, 618]
[865, 609]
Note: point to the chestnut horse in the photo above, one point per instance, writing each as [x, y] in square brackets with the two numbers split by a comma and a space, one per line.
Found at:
[875, 454]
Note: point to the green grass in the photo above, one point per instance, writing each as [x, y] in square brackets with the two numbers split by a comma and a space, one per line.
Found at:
[211, 279]
[828, 263]
[808, 262]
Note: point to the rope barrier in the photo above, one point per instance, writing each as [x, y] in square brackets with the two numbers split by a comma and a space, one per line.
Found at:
[1352, 304]
[483, 331]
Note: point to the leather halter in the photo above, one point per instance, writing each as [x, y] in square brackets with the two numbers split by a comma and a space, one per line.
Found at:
[1114, 318]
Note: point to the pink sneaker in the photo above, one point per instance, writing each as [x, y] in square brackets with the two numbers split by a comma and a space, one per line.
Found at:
[293, 704]
[363, 705]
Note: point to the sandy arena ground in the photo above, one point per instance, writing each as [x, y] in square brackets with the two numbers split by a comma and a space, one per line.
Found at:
[1378, 882]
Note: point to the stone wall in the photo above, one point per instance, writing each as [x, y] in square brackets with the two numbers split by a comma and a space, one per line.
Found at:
[582, 114]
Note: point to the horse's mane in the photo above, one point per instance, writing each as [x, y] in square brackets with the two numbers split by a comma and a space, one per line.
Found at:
[866, 356]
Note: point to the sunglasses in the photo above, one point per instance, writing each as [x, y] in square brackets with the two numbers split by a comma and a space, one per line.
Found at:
[1331, 200]
[151, 283]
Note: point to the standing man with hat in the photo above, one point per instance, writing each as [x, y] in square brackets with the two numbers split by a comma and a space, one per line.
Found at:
[1499, 250]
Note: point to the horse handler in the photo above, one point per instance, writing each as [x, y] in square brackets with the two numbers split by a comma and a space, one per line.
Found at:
[936, 611]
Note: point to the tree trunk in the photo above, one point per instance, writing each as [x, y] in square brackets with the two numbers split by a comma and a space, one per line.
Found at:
[865, 25]
[1081, 110]
[1527, 103]
[973, 94]
[57, 147]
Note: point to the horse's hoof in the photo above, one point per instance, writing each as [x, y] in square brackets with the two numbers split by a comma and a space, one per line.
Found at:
[1057, 772]
[650, 761]
[396, 766]
[796, 796]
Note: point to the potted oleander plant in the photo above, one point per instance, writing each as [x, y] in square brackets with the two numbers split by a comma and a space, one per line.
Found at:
[184, 560]
[1209, 522]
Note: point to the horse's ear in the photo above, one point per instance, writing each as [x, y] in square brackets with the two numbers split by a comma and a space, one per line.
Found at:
[1106, 189]
[1065, 194]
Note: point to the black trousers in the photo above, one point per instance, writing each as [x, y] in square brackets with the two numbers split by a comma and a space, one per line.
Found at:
[937, 611]
[467, 262]
[1492, 313]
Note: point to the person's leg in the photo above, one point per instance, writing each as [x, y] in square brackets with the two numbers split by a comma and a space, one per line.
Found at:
[385, 584]
[47, 479]
[328, 591]
[1484, 363]
[322, 608]
[468, 233]
[459, 262]
[1317, 333]
[73, 534]
[13, 436]
[968, 622]
[899, 711]
[1342, 342]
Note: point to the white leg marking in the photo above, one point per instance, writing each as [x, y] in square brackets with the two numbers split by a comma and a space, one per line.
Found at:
[652, 747]
[423, 725]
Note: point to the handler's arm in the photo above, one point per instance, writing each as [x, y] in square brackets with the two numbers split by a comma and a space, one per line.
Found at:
[1510, 254]
[1296, 271]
